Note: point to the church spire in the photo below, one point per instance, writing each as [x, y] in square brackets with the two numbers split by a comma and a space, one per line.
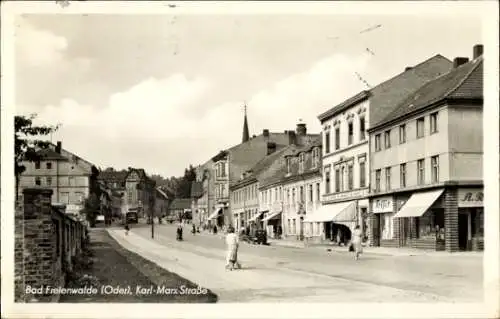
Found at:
[246, 134]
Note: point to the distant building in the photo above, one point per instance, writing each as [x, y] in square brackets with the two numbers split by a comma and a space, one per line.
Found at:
[66, 174]
[346, 151]
[161, 203]
[272, 201]
[180, 209]
[427, 165]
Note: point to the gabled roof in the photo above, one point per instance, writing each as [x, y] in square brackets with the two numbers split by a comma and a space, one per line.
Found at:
[113, 176]
[180, 203]
[463, 82]
[196, 189]
[385, 96]
[279, 169]
[49, 154]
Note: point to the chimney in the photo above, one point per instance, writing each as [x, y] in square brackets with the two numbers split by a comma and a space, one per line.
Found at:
[301, 129]
[271, 148]
[265, 132]
[59, 147]
[477, 51]
[458, 61]
[292, 138]
[408, 68]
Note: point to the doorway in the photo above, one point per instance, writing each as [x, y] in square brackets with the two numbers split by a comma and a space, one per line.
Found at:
[463, 230]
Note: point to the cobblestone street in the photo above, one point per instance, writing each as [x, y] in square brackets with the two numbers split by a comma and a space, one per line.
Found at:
[273, 273]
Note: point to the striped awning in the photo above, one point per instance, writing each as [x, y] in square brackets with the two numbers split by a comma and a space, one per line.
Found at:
[345, 211]
[254, 218]
[271, 216]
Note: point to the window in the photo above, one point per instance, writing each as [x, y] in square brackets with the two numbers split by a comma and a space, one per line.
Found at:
[49, 165]
[317, 192]
[350, 177]
[71, 181]
[301, 162]
[435, 168]
[420, 127]
[327, 180]
[315, 157]
[289, 165]
[377, 180]
[377, 143]
[311, 193]
[350, 133]
[433, 122]
[49, 181]
[65, 198]
[293, 196]
[420, 172]
[402, 175]
[337, 138]
[402, 134]
[362, 134]
[301, 193]
[327, 142]
[337, 180]
[362, 174]
[342, 176]
[293, 226]
[387, 139]
[387, 178]
[288, 196]
[37, 165]
[38, 182]
[289, 226]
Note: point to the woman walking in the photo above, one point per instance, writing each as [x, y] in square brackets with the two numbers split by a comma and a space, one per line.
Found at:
[356, 242]
[232, 242]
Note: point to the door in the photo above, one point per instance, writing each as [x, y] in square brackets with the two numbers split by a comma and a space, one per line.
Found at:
[463, 229]
[404, 230]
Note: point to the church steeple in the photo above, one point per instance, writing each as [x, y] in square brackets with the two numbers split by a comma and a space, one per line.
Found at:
[246, 134]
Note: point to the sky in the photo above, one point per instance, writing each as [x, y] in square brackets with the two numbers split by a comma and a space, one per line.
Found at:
[161, 92]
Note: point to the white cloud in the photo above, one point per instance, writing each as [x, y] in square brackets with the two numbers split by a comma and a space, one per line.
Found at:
[38, 47]
[153, 112]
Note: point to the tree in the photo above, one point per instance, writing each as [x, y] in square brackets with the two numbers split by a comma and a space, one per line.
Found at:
[91, 208]
[27, 142]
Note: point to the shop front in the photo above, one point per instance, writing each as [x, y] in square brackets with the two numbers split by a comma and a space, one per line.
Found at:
[382, 222]
[272, 224]
[450, 219]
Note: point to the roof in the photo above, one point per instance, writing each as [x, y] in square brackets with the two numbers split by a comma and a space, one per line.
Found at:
[463, 82]
[180, 203]
[386, 96]
[262, 165]
[49, 154]
[196, 189]
[113, 176]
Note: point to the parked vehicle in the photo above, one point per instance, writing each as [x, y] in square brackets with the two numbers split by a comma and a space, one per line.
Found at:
[131, 217]
[258, 237]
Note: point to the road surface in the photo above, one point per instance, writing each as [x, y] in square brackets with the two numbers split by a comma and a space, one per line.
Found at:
[274, 273]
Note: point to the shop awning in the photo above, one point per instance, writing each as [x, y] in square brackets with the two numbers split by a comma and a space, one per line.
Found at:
[345, 211]
[272, 216]
[215, 213]
[254, 219]
[418, 203]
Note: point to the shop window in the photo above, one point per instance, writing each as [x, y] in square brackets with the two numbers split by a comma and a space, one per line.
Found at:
[477, 223]
[387, 226]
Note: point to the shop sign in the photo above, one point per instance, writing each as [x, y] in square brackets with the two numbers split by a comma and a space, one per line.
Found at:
[382, 205]
[470, 198]
[345, 195]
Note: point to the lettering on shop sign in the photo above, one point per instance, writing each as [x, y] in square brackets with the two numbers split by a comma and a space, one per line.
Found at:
[470, 198]
[382, 205]
[344, 195]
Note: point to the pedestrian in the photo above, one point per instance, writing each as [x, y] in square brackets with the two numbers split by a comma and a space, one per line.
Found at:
[232, 242]
[194, 230]
[127, 229]
[356, 242]
[215, 230]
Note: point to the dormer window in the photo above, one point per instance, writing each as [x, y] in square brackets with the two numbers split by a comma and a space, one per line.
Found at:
[288, 165]
[301, 162]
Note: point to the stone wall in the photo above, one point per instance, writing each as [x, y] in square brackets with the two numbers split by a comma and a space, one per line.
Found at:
[46, 241]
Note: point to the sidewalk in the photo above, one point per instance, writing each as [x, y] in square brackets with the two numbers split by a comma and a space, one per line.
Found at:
[386, 251]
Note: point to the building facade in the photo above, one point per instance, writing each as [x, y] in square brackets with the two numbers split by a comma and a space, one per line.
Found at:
[346, 152]
[140, 192]
[426, 165]
[301, 193]
[66, 174]
[203, 197]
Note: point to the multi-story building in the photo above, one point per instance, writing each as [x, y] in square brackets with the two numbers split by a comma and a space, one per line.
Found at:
[68, 175]
[345, 155]
[230, 164]
[271, 185]
[301, 192]
[426, 165]
[245, 192]
[202, 194]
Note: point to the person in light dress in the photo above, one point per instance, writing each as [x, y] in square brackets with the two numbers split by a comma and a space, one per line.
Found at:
[232, 243]
[356, 241]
